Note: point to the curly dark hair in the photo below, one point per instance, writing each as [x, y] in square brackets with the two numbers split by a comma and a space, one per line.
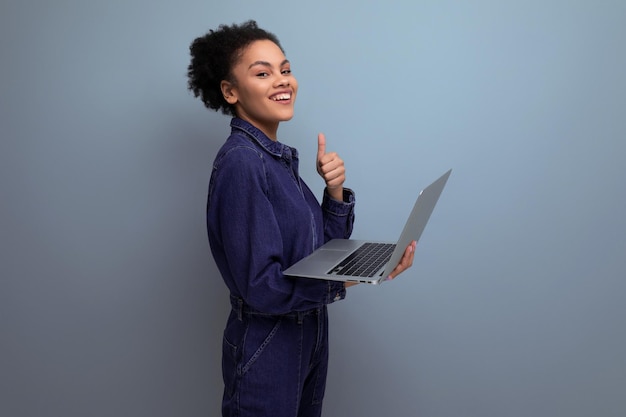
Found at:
[214, 55]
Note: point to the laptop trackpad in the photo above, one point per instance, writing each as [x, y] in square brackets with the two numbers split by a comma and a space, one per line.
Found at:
[343, 245]
[327, 256]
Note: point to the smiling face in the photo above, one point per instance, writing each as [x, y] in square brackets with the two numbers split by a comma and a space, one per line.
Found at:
[264, 90]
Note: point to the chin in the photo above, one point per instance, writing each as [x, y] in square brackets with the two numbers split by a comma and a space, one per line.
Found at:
[287, 116]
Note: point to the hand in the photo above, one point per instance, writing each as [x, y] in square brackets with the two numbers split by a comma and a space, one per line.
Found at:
[331, 168]
[406, 262]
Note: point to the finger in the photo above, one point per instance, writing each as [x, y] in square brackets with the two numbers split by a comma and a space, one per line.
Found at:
[406, 262]
[331, 162]
[321, 146]
[334, 177]
[333, 173]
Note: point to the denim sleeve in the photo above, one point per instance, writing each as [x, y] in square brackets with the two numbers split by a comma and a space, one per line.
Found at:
[247, 244]
[338, 224]
[338, 215]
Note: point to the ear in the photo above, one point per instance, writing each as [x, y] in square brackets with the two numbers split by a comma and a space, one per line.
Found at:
[229, 92]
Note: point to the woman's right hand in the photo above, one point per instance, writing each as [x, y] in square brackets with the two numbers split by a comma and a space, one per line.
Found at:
[406, 262]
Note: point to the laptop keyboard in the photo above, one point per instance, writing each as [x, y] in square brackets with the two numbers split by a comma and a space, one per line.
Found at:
[365, 261]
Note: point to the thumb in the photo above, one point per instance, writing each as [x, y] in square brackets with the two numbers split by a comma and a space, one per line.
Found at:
[321, 146]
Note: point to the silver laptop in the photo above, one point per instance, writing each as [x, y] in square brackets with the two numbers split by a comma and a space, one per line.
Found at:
[365, 261]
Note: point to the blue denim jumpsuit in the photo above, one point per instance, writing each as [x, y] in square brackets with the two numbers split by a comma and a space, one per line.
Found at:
[262, 218]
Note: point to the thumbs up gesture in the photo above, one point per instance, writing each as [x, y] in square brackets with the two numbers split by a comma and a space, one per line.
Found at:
[330, 167]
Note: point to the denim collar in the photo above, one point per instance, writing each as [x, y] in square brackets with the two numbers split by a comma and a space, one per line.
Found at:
[273, 147]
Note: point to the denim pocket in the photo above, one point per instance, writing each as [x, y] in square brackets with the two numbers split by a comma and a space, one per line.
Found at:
[260, 333]
[229, 366]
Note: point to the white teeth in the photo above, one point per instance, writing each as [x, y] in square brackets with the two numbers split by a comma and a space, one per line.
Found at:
[281, 97]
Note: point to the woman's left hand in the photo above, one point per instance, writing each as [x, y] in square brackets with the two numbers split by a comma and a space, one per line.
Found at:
[330, 167]
[405, 262]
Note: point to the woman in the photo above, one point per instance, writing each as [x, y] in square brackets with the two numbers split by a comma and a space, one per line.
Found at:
[262, 218]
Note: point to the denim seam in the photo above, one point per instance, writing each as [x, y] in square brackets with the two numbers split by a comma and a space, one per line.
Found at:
[258, 352]
[216, 164]
[317, 361]
[299, 362]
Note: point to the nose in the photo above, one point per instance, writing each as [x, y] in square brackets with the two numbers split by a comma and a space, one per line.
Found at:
[282, 80]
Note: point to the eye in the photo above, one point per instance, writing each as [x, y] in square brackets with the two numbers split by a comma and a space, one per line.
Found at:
[262, 74]
[286, 71]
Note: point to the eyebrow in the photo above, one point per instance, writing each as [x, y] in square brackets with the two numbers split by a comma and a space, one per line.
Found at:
[267, 64]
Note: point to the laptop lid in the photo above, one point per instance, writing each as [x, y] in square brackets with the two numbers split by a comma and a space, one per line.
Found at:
[416, 223]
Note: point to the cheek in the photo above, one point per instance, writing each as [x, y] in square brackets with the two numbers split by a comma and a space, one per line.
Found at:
[250, 98]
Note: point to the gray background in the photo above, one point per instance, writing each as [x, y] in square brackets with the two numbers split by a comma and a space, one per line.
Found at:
[111, 305]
